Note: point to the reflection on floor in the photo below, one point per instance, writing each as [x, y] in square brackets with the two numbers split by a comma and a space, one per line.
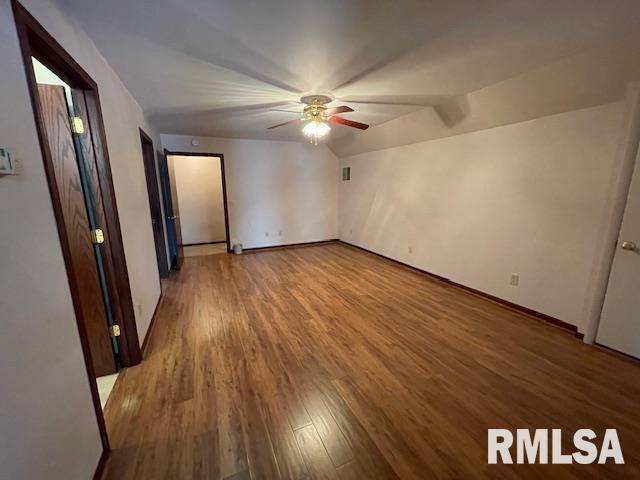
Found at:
[205, 249]
[105, 385]
[329, 362]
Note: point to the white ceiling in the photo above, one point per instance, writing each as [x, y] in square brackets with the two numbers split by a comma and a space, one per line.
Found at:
[220, 67]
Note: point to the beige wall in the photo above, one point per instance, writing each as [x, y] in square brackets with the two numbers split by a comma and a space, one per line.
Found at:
[47, 424]
[199, 190]
[286, 189]
[525, 198]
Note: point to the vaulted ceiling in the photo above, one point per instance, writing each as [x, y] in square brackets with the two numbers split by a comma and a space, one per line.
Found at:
[232, 68]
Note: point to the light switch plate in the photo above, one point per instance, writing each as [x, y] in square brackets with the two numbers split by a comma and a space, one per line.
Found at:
[7, 166]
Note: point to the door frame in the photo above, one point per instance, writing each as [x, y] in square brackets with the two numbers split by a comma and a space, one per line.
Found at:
[35, 41]
[153, 192]
[224, 184]
[167, 203]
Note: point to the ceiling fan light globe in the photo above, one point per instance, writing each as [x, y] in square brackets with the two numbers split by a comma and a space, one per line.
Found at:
[316, 129]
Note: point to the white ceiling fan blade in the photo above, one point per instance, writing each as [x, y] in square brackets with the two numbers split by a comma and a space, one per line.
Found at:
[407, 100]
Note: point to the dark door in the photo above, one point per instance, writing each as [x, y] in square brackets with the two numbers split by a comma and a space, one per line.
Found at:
[176, 211]
[78, 205]
[172, 243]
[149, 155]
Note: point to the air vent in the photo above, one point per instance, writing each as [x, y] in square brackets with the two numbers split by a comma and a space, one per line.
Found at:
[346, 174]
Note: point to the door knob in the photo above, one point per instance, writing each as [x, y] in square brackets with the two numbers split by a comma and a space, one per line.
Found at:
[628, 246]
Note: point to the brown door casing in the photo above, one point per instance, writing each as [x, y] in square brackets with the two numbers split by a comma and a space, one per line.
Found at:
[150, 172]
[170, 161]
[36, 41]
[55, 116]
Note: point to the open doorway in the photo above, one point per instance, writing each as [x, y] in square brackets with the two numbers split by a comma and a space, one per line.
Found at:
[72, 139]
[200, 191]
[71, 150]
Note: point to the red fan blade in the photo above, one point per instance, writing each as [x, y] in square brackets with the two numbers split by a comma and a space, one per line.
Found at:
[342, 109]
[297, 120]
[348, 123]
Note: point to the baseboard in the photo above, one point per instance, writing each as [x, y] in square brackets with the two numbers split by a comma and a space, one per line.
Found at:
[202, 243]
[617, 353]
[505, 303]
[153, 321]
[102, 463]
[290, 245]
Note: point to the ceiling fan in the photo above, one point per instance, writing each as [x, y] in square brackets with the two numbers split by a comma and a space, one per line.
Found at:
[318, 116]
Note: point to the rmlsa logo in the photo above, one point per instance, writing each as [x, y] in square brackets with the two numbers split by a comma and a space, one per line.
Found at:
[536, 449]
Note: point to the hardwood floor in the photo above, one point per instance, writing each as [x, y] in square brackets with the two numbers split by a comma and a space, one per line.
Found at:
[205, 249]
[330, 363]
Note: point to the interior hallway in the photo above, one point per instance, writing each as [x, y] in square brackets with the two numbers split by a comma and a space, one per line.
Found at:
[205, 249]
[328, 362]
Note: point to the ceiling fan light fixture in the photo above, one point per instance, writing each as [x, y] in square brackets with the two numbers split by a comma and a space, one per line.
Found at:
[315, 130]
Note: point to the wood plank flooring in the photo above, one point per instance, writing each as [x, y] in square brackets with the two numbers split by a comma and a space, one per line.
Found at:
[330, 363]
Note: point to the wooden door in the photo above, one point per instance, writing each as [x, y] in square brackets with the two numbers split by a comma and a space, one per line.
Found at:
[83, 266]
[88, 149]
[176, 210]
[148, 156]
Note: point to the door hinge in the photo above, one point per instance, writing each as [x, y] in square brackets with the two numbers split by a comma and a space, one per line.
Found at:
[77, 126]
[97, 236]
[114, 330]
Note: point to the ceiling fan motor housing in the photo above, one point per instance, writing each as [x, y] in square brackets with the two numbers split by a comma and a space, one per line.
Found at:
[315, 113]
[315, 107]
[316, 99]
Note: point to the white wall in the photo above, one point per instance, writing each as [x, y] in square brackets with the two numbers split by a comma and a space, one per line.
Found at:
[199, 191]
[525, 198]
[287, 189]
[47, 424]
[587, 79]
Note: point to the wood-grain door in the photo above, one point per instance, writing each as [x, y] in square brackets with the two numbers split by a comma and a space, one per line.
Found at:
[149, 156]
[84, 265]
[176, 211]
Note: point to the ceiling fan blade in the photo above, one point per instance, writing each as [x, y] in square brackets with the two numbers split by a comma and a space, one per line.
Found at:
[250, 107]
[280, 110]
[297, 120]
[403, 100]
[342, 109]
[348, 123]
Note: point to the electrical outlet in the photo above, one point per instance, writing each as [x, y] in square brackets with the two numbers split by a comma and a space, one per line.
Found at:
[410, 249]
[266, 234]
[515, 279]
